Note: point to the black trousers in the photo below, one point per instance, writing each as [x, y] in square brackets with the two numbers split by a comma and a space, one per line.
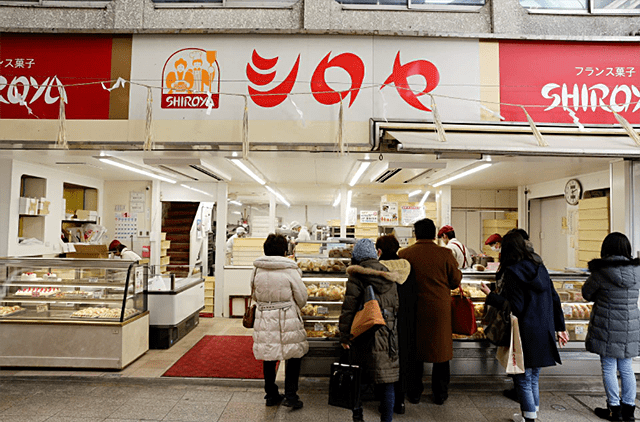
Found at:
[291, 375]
[440, 378]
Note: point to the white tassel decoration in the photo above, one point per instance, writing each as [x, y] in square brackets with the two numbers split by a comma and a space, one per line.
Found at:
[148, 129]
[341, 129]
[245, 129]
[436, 119]
[627, 127]
[61, 142]
[534, 129]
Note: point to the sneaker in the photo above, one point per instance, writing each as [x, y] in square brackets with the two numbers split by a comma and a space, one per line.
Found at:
[293, 403]
[275, 400]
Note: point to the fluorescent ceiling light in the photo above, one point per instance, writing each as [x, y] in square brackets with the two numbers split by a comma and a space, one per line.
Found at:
[238, 203]
[236, 212]
[363, 166]
[196, 190]
[247, 170]
[338, 198]
[280, 197]
[463, 174]
[424, 198]
[135, 170]
[414, 193]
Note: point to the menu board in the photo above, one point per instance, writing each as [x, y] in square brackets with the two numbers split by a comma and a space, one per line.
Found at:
[388, 213]
[411, 214]
[369, 216]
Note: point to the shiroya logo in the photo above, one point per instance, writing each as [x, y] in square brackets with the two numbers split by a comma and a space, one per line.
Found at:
[191, 79]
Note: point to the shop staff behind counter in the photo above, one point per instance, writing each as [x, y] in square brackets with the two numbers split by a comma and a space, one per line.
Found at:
[123, 252]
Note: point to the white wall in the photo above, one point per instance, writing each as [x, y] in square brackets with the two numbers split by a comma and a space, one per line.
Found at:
[55, 181]
[117, 197]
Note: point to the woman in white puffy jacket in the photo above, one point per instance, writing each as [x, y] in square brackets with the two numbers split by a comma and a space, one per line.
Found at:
[278, 331]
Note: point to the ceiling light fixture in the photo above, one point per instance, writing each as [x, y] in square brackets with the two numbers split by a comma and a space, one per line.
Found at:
[278, 195]
[380, 172]
[461, 175]
[414, 193]
[363, 166]
[338, 198]
[135, 170]
[238, 203]
[247, 170]
[196, 190]
[424, 198]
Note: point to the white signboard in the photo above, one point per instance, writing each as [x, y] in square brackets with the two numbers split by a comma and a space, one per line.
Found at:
[288, 77]
[411, 214]
[368, 216]
[389, 214]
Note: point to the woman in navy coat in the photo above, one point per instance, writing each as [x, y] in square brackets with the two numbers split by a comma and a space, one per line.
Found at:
[534, 301]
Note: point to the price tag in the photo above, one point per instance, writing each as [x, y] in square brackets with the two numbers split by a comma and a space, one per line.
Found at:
[568, 286]
[42, 307]
[98, 294]
[318, 326]
[322, 310]
[579, 329]
[35, 294]
[567, 311]
[93, 279]
[324, 284]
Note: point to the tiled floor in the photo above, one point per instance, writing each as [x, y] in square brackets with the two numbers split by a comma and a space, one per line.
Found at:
[139, 393]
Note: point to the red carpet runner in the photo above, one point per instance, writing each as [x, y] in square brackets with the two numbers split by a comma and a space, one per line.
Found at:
[219, 357]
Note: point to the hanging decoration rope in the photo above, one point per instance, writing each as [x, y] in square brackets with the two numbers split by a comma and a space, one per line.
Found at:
[627, 127]
[148, 129]
[245, 129]
[61, 141]
[436, 119]
[534, 129]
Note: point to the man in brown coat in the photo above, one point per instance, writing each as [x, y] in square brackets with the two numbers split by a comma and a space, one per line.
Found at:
[436, 271]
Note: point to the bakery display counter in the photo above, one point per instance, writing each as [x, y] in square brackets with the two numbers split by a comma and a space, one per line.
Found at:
[174, 307]
[75, 313]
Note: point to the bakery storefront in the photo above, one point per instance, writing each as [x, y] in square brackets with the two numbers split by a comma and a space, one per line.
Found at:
[368, 119]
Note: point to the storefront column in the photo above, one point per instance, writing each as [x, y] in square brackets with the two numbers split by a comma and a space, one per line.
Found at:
[344, 211]
[6, 167]
[221, 247]
[156, 224]
[621, 198]
[635, 204]
[523, 208]
[443, 200]
[272, 213]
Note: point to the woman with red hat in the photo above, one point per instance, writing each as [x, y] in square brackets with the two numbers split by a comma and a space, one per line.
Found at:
[494, 241]
[122, 251]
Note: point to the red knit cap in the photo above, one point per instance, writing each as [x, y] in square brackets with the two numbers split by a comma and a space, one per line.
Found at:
[493, 239]
[114, 245]
[444, 229]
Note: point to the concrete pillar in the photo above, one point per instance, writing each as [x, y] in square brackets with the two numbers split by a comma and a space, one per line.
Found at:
[221, 247]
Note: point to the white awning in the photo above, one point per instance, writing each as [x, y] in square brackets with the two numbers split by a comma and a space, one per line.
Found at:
[517, 141]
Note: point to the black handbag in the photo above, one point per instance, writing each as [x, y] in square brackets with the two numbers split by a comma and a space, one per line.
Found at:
[344, 385]
[498, 324]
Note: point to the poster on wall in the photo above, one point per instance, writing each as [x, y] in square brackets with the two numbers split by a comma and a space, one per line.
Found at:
[369, 216]
[352, 216]
[389, 214]
[411, 214]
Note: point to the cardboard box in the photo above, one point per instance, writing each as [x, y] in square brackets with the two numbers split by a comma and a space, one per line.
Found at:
[43, 206]
[28, 206]
[86, 215]
[89, 251]
[591, 203]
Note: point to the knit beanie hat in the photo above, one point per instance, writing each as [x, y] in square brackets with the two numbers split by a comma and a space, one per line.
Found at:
[364, 249]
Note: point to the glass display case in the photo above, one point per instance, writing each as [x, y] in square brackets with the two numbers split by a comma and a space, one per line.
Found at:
[72, 312]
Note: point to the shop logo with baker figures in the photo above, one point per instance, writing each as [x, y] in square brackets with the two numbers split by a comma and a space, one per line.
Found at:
[191, 79]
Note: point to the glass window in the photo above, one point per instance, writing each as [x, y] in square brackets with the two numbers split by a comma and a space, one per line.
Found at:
[617, 4]
[555, 4]
[584, 6]
[412, 3]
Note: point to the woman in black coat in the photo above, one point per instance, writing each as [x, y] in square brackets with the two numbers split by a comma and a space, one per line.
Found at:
[535, 302]
[614, 326]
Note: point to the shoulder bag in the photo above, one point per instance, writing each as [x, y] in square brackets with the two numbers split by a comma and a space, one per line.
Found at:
[369, 316]
[463, 318]
[498, 324]
[344, 383]
[250, 313]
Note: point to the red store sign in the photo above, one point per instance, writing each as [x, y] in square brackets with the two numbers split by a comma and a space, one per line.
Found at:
[565, 82]
[37, 70]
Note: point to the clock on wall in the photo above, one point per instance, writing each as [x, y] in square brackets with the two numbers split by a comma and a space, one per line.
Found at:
[572, 192]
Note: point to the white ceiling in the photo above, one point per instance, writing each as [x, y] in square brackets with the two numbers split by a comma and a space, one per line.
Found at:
[315, 178]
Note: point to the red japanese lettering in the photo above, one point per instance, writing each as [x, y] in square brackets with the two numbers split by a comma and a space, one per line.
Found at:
[324, 94]
[401, 73]
[276, 95]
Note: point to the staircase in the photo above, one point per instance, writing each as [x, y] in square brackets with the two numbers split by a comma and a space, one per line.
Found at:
[177, 218]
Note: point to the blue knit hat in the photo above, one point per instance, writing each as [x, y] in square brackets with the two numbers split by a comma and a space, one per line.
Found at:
[364, 249]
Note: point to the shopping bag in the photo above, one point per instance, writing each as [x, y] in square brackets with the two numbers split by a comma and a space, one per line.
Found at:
[249, 316]
[344, 385]
[498, 324]
[463, 318]
[512, 358]
[369, 316]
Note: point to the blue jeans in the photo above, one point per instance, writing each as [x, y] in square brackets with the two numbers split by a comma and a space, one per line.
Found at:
[609, 366]
[528, 392]
[387, 400]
